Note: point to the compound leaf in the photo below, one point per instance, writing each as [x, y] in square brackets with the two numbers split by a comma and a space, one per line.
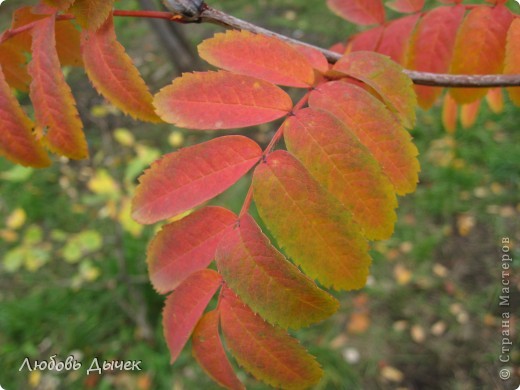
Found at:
[396, 38]
[185, 246]
[313, 228]
[259, 56]
[267, 282]
[363, 12]
[91, 14]
[113, 74]
[184, 307]
[267, 352]
[184, 179]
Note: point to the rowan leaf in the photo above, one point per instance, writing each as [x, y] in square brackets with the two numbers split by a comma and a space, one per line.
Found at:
[184, 307]
[362, 12]
[113, 74]
[185, 246]
[54, 106]
[469, 113]
[386, 78]
[483, 33]
[210, 354]
[406, 6]
[322, 238]
[268, 283]
[17, 142]
[375, 127]
[512, 59]
[495, 100]
[259, 56]
[449, 114]
[91, 14]
[68, 44]
[59, 4]
[315, 57]
[14, 66]
[396, 38]
[367, 40]
[184, 179]
[220, 100]
[436, 31]
[335, 157]
[267, 352]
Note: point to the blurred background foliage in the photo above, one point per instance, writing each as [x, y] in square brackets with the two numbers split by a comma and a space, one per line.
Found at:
[72, 262]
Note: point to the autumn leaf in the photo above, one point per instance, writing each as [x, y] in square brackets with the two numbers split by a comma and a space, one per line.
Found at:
[406, 6]
[220, 100]
[375, 127]
[268, 353]
[184, 307]
[54, 106]
[59, 4]
[210, 354]
[14, 66]
[437, 31]
[113, 74]
[512, 59]
[386, 78]
[366, 40]
[483, 34]
[267, 282]
[259, 56]
[363, 12]
[335, 157]
[323, 239]
[449, 114]
[184, 179]
[183, 247]
[395, 41]
[17, 142]
[91, 14]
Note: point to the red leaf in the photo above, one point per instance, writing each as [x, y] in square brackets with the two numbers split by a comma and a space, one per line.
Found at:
[366, 40]
[396, 38]
[114, 75]
[185, 246]
[343, 166]
[184, 179]
[375, 127]
[219, 100]
[268, 353]
[91, 14]
[259, 56]
[17, 142]
[54, 105]
[184, 307]
[315, 57]
[512, 60]
[311, 226]
[386, 78]
[267, 282]
[210, 354]
[483, 34]
[363, 12]
[432, 47]
[406, 6]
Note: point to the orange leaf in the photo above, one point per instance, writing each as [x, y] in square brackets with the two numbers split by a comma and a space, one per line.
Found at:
[495, 100]
[259, 56]
[17, 142]
[267, 282]
[114, 75]
[406, 6]
[449, 114]
[333, 155]
[311, 226]
[60, 4]
[366, 40]
[363, 12]
[54, 105]
[68, 44]
[185, 246]
[483, 34]
[14, 66]
[210, 354]
[220, 100]
[396, 38]
[512, 60]
[375, 127]
[184, 179]
[315, 57]
[184, 307]
[268, 353]
[432, 47]
[91, 14]
[469, 114]
[386, 78]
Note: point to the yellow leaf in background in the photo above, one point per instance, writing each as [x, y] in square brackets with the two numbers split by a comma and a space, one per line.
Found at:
[103, 184]
[88, 271]
[418, 334]
[35, 378]
[392, 374]
[465, 223]
[176, 139]
[124, 136]
[8, 235]
[402, 274]
[16, 219]
[126, 220]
